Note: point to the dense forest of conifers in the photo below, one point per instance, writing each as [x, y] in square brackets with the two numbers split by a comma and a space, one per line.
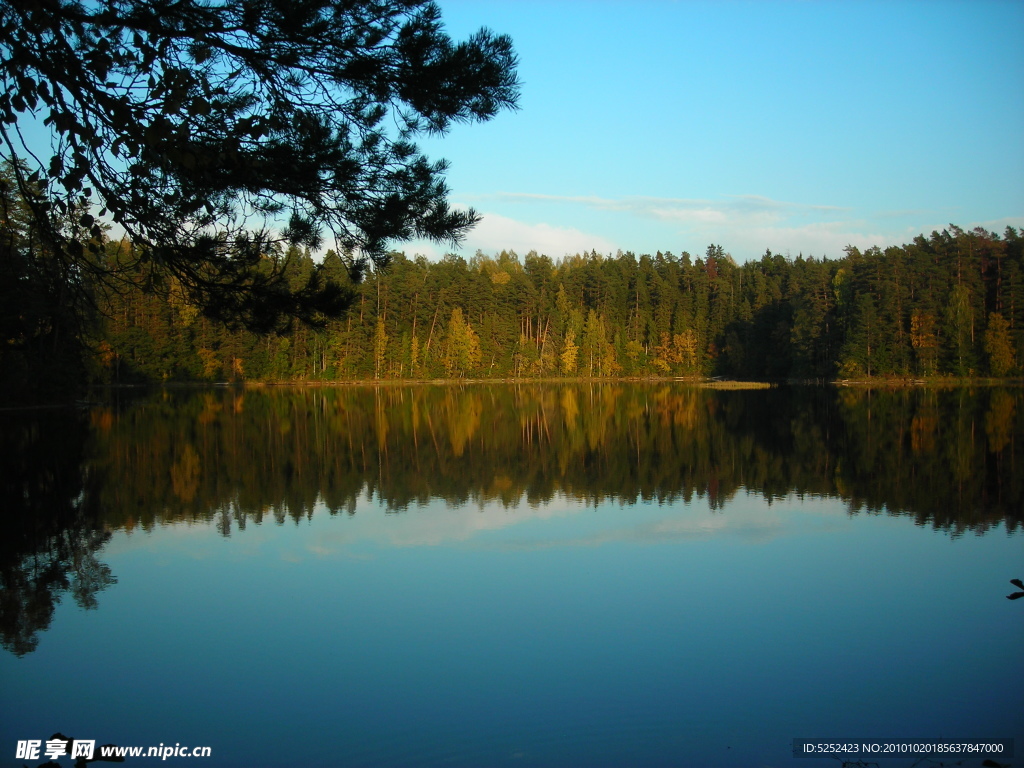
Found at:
[951, 304]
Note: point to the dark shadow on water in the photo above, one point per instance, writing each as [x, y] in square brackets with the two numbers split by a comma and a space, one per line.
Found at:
[1016, 595]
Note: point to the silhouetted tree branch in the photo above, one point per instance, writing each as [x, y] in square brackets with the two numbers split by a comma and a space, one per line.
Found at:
[209, 131]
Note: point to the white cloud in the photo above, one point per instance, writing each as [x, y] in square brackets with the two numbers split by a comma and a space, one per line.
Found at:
[495, 233]
[818, 239]
[999, 225]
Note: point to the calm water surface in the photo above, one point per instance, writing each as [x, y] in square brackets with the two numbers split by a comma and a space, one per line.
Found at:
[596, 575]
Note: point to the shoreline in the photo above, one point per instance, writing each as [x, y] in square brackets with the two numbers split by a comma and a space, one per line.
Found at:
[697, 382]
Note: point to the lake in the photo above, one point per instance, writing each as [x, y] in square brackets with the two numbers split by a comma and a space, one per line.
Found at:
[593, 574]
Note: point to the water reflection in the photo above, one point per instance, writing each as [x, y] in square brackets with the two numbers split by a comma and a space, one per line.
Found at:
[52, 530]
[946, 457]
[949, 458]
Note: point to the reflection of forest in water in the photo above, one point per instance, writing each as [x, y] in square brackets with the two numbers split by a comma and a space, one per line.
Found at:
[948, 457]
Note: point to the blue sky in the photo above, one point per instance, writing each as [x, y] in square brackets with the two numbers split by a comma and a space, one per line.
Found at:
[799, 126]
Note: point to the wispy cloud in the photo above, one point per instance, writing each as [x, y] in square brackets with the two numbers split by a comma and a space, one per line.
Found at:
[999, 225]
[731, 208]
[826, 238]
[744, 224]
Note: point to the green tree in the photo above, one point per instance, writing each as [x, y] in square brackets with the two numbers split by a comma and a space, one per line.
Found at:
[998, 345]
[960, 330]
[570, 352]
[380, 348]
[924, 341]
[592, 349]
[860, 353]
[462, 346]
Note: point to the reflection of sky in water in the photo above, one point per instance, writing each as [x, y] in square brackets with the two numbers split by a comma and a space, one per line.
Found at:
[563, 522]
[550, 635]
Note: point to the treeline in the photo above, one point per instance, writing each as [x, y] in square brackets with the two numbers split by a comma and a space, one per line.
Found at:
[951, 304]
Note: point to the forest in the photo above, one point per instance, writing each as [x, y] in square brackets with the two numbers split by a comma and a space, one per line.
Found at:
[951, 304]
[947, 305]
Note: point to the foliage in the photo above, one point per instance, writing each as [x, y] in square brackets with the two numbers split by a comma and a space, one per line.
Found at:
[198, 126]
[462, 346]
[998, 345]
[44, 308]
[913, 311]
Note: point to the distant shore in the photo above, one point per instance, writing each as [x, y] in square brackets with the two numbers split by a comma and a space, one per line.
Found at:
[706, 382]
[716, 383]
